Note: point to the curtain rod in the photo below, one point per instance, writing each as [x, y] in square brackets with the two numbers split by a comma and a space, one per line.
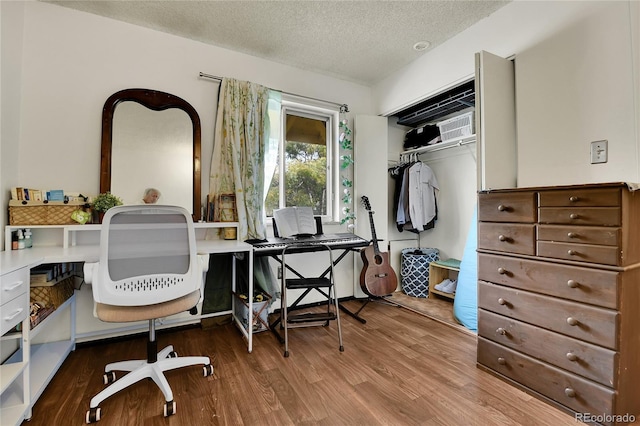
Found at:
[343, 107]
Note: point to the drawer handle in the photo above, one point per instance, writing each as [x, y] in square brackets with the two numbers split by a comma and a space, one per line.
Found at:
[573, 283]
[15, 314]
[572, 321]
[501, 331]
[572, 252]
[570, 393]
[574, 199]
[501, 301]
[502, 208]
[502, 271]
[574, 216]
[572, 235]
[503, 238]
[502, 361]
[571, 356]
[13, 287]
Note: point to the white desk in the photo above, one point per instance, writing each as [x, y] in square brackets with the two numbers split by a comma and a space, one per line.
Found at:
[24, 376]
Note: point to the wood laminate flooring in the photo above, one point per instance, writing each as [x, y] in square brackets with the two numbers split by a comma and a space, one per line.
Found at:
[400, 368]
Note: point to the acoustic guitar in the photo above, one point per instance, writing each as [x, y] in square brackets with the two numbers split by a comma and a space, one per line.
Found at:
[377, 277]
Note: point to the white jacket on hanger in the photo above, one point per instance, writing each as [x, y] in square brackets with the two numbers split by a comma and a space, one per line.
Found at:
[422, 195]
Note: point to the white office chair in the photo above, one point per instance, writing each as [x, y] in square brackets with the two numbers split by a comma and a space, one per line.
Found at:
[148, 269]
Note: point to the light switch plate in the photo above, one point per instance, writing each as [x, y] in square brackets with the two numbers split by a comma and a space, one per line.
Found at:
[599, 152]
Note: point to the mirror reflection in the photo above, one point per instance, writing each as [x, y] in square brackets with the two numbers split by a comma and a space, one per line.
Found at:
[152, 149]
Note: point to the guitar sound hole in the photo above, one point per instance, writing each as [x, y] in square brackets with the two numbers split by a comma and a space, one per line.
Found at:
[378, 260]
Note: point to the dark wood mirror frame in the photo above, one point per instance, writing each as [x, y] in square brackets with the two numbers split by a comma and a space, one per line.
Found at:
[157, 101]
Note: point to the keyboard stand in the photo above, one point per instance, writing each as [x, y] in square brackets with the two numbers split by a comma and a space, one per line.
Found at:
[273, 326]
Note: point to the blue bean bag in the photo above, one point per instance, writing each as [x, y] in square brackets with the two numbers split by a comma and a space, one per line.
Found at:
[465, 304]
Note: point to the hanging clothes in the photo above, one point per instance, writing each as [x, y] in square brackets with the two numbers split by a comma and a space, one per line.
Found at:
[422, 195]
[414, 206]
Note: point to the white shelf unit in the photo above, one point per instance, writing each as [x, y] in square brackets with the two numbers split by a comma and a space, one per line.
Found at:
[43, 361]
[15, 397]
[73, 235]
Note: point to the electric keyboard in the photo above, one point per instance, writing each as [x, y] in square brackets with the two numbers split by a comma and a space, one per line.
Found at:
[309, 244]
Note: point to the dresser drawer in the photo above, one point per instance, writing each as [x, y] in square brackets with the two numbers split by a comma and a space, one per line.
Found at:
[584, 322]
[13, 312]
[593, 286]
[604, 236]
[507, 207]
[587, 360]
[606, 255]
[593, 216]
[14, 284]
[590, 197]
[570, 390]
[509, 238]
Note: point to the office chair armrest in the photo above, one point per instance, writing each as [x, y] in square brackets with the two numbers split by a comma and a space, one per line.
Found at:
[89, 270]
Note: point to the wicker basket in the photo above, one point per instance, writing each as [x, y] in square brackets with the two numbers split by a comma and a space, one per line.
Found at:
[53, 295]
[41, 213]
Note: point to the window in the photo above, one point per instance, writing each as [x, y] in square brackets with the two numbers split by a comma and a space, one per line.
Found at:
[304, 172]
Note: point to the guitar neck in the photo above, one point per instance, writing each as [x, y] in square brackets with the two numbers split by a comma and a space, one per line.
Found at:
[376, 249]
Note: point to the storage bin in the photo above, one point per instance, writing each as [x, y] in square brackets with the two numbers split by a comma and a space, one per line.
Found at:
[260, 319]
[414, 270]
[458, 127]
[41, 213]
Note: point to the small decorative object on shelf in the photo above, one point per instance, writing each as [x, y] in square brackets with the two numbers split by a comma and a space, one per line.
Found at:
[225, 211]
[102, 203]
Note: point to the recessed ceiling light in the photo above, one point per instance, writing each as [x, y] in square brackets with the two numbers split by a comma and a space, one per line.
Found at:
[421, 45]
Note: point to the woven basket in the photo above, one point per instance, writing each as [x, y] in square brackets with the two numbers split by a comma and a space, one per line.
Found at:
[54, 295]
[41, 213]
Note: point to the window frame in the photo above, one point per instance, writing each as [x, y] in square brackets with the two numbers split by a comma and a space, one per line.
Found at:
[331, 117]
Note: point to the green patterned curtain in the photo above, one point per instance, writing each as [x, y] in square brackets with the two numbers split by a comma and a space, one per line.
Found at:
[237, 165]
[241, 143]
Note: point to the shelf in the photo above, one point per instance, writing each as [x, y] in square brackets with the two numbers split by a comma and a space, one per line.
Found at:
[9, 373]
[45, 361]
[50, 317]
[440, 146]
[441, 270]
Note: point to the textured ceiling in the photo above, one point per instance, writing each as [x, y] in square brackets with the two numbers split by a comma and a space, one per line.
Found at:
[359, 41]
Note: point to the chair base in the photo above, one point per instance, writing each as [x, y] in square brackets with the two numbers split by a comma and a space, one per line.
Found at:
[167, 360]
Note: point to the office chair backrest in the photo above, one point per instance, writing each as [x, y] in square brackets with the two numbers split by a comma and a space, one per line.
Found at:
[147, 256]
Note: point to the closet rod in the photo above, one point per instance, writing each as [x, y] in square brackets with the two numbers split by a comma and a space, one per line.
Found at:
[343, 107]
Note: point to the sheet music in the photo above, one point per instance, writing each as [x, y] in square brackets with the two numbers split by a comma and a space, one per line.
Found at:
[293, 221]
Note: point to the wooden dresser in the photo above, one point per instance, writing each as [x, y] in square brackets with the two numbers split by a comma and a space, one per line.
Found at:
[559, 295]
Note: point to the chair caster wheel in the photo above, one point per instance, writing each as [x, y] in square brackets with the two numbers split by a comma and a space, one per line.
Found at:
[341, 348]
[108, 377]
[93, 415]
[172, 354]
[169, 408]
[207, 370]
[286, 354]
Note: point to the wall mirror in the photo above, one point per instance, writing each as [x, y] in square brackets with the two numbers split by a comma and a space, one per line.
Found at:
[151, 139]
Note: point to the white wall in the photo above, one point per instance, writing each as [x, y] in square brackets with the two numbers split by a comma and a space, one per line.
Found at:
[574, 88]
[11, 26]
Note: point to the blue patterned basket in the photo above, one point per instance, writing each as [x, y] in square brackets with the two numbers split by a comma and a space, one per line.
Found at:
[414, 271]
